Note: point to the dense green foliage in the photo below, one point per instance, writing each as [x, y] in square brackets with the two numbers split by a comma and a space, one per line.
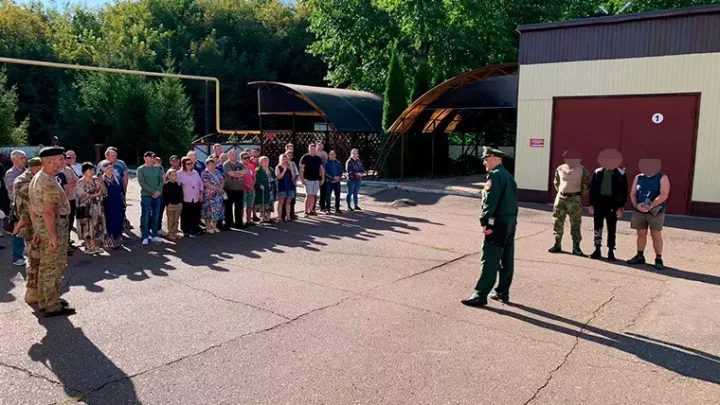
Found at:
[395, 103]
[237, 41]
[10, 133]
[345, 43]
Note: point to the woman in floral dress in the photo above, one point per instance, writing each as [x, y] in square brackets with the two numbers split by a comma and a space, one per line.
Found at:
[90, 211]
[212, 205]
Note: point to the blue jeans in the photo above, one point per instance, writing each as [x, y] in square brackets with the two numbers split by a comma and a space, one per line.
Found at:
[18, 247]
[353, 190]
[150, 216]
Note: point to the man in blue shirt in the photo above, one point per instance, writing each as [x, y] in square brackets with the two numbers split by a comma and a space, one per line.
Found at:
[333, 172]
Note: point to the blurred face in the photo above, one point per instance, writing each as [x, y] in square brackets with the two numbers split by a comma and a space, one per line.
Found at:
[312, 150]
[35, 169]
[218, 150]
[289, 156]
[256, 153]
[210, 165]
[264, 163]
[89, 173]
[289, 148]
[284, 159]
[331, 155]
[20, 161]
[354, 154]
[71, 157]
[650, 167]
[320, 147]
[158, 161]
[610, 159]
[111, 156]
[223, 158]
[173, 176]
[233, 156]
[245, 157]
[188, 166]
[149, 160]
[108, 170]
[192, 156]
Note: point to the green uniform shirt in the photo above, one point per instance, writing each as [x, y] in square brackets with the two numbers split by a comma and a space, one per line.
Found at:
[606, 185]
[499, 196]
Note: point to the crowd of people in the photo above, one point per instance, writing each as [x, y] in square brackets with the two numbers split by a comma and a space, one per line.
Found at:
[230, 189]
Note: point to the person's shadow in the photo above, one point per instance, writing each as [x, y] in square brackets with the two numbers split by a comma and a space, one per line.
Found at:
[682, 360]
[82, 368]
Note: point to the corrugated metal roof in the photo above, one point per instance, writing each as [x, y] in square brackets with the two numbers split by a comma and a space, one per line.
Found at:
[675, 32]
[346, 110]
[662, 14]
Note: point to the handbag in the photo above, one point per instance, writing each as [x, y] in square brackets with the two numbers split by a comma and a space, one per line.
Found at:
[10, 220]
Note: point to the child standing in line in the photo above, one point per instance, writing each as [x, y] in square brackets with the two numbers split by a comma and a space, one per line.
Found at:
[173, 197]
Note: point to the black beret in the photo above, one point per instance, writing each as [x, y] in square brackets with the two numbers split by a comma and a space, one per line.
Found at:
[51, 151]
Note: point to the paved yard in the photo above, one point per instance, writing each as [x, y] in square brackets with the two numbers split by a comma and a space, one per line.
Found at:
[364, 309]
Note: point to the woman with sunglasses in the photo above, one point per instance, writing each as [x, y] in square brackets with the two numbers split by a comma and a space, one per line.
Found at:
[192, 186]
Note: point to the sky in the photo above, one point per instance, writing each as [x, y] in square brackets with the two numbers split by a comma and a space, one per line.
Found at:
[60, 3]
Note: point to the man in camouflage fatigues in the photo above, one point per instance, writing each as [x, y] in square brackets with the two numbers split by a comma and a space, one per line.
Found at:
[572, 182]
[49, 211]
[21, 187]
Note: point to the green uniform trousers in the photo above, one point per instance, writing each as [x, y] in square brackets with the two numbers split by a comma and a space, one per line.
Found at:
[52, 266]
[567, 207]
[498, 259]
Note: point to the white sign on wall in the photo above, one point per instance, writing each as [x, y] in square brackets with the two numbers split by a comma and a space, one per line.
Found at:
[658, 118]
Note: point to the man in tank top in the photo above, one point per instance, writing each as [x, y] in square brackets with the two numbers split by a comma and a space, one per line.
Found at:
[649, 193]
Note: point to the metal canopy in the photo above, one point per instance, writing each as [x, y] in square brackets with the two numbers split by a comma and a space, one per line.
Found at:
[344, 110]
[490, 87]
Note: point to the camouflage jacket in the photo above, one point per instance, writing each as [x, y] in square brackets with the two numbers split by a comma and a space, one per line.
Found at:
[21, 189]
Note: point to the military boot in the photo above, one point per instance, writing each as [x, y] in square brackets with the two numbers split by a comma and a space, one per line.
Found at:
[576, 250]
[597, 254]
[611, 255]
[557, 247]
[31, 297]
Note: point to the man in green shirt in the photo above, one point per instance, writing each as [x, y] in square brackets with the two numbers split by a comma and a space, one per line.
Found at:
[150, 178]
[498, 220]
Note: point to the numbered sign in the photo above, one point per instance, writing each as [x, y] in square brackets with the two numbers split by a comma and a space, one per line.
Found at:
[658, 118]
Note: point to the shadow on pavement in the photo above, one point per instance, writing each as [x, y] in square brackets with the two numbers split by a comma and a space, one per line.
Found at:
[678, 359]
[80, 366]
[698, 224]
[138, 263]
[7, 274]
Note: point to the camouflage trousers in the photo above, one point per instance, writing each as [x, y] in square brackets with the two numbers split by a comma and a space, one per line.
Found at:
[31, 282]
[567, 206]
[52, 266]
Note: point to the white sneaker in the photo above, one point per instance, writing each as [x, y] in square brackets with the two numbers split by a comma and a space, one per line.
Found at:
[145, 242]
[157, 239]
[20, 262]
[162, 233]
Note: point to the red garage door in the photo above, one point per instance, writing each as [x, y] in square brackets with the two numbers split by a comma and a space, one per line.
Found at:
[662, 125]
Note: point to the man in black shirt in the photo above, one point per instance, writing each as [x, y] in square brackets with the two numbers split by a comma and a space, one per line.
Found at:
[312, 174]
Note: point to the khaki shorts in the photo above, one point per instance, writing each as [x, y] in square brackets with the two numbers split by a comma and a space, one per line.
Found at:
[641, 220]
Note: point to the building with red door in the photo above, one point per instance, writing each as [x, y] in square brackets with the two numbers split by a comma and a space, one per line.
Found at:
[645, 83]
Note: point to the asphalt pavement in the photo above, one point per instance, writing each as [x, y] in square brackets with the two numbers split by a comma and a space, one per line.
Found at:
[364, 308]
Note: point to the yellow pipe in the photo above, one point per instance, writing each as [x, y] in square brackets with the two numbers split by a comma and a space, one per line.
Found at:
[131, 72]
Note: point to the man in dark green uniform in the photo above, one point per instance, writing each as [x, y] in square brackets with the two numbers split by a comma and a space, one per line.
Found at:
[498, 220]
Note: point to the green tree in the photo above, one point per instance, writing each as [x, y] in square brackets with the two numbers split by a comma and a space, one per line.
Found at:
[394, 104]
[10, 133]
[170, 123]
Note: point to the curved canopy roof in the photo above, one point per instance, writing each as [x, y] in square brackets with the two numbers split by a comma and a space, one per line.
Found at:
[455, 104]
[344, 110]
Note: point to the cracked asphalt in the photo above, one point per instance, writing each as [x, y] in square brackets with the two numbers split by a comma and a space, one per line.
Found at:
[364, 309]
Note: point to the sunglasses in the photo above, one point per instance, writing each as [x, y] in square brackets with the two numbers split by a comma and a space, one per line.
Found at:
[188, 164]
[246, 158]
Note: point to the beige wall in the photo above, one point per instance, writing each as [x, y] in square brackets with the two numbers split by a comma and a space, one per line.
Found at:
[659, 75]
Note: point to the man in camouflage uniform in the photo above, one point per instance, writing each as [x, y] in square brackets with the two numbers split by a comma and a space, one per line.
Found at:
[572, 182]
[49, 211]
[23, 229]
[498, 221]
